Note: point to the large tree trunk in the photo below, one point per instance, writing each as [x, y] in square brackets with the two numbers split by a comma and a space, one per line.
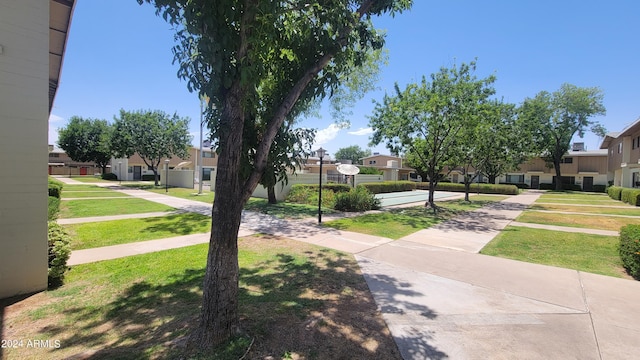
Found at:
[467, 189]
[556, 165]
[271, 194]
[219, 314]
[492, 179]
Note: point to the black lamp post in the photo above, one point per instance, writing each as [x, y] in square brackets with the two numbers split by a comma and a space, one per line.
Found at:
[120, 171]
[166, 175]
[321, 153]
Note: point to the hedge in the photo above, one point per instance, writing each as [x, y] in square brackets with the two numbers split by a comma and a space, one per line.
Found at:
[53, 208]
[389, 186]
[151, 177]
[518, 185]
[308, 194]
[630, 196]
[571, 187]
[55, 187]
[481, 188]
[630, 249]
[358, 199]
[109, 176]
[59, 252]
[599, 188]
[615, 192]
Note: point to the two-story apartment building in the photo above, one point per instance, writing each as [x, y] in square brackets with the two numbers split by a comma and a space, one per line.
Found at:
[578, 167]
[61, 164]
[134, 168]
[392, 167]
[623, 152]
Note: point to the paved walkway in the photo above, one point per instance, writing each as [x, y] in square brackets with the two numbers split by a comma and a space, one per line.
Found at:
[441, 299]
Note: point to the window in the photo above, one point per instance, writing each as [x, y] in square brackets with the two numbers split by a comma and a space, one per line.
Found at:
[372, 162]
[567, 160]
[620, 148]
[206, 174]
[633, 144]
[208, 154]
[54, 155]
[515, 179]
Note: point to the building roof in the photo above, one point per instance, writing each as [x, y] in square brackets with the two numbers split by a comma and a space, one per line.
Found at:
[60, 13]
[599, 152]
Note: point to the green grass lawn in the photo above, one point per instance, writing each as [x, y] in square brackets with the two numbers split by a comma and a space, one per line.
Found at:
[74, 187]
[106, 233]
[70, 194]
[189, 194]
[398, 223]
[136, 307]
[91, 179]
[630, 210]
[580, 221]
[590, 253]
[103, 207]
[577, 198]
[285, 210]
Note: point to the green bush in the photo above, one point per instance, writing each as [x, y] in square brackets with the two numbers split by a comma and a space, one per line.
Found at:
[55, 187]
[59, 252]
[389, 186]
[615, 192]
[53, 208]
[518, 185]
[570, 187]
[630, 196]
[358, 199]
[308, 194]
[366, 170]
[599, 188]
[630, 249]
[109, 176]
[151, 177]
[475, 188]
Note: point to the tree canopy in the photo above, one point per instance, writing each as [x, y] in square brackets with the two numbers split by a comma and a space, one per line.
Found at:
[261, 63]
[87, 140]
[153, 135]
[426, 120]
[353, 153]
[554, 118]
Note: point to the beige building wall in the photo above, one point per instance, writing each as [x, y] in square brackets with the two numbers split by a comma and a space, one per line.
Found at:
[24, 112]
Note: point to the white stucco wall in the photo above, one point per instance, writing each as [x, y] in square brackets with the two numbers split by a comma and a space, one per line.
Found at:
[24, 112]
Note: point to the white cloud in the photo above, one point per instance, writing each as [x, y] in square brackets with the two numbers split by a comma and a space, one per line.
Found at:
[55, 122]
[361, 131]
[325, 135]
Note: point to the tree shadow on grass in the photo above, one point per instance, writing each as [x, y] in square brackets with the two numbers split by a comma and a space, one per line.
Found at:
[314, 303]
[179, 224]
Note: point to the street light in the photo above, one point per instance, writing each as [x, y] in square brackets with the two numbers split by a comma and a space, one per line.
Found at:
[166, 175]
[321, 153]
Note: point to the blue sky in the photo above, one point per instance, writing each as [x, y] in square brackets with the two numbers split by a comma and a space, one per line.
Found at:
[119, 56]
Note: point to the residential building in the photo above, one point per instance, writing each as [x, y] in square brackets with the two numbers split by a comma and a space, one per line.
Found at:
[134, 167]
[578, 167]
[392, 167]
[623, 150]
[61, 164]
[32, 45]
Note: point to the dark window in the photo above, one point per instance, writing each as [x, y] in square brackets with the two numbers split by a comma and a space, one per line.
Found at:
[208, 154]
[206, 174]
[54, 155]
[515, 179]
[567, 160]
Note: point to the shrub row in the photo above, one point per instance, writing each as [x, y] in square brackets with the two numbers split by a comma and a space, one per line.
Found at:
[109, 176]
[630, 249]
[308, 194]
[59, 252]
[481, 188]
[599, 188]
[53, 208]
[518, 185]
[614, 192]
[630, 196]
[389, 186]
[357, 199]
[571, 187]
[150, 177]
[55, 187]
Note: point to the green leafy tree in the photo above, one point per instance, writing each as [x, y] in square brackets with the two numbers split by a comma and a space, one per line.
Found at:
[353, 153]
[425, 119]
[261, 63]
[153, 135]
[286, 155]
[87, 140]
[553, 119]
